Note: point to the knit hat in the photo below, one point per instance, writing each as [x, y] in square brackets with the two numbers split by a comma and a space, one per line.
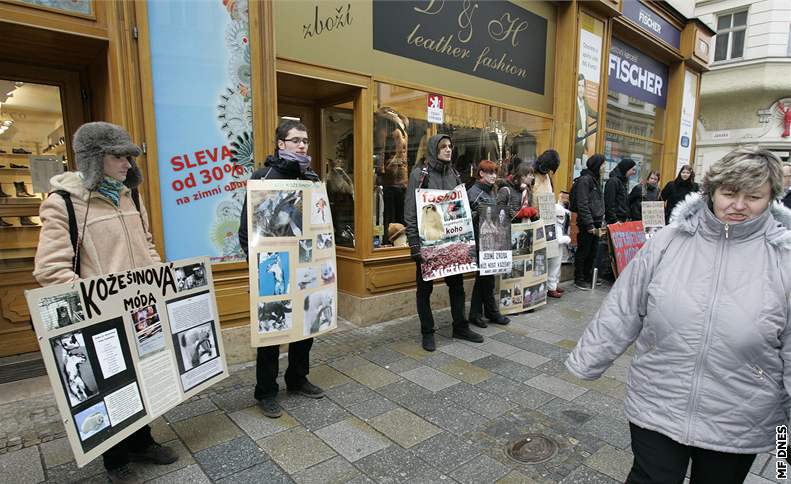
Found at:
[625, 165]
[94, 140]
[595, 162]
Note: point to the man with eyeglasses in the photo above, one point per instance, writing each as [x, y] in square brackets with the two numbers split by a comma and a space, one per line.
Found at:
[290, 162]
[787, 184]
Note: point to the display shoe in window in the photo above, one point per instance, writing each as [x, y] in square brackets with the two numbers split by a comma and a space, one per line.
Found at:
[4, 224]
[2, 193]
[14, 165]
[27, 222]
[21, 190]
[20, 151]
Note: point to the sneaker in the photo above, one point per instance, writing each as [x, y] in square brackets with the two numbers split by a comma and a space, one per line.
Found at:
[124, 474]
[464, 332]
[500, 319]
[555, 294]
[155, 454]
[585, 286]
[428, 342]
[477, 321]
[270, 407]
[309, 390]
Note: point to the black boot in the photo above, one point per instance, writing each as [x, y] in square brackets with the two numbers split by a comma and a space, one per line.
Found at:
[428, 342]
[2, 193]
[4, 224]
[21, 190]
[478, 321]
[463, 331]
[27, 222]
[500, 319]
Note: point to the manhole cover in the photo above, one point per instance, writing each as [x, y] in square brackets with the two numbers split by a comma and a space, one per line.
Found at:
[532, 449]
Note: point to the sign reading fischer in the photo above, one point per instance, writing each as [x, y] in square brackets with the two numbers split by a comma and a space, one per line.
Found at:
[635, 74]
[494, 40]
[651, 22]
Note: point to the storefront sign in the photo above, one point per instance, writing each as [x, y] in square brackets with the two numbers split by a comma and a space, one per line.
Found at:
[200, 62]
[122, 349]
[687, 122]
[635, 74]
[436, 109]
[494, 40]
[651, 22]
[626, 240]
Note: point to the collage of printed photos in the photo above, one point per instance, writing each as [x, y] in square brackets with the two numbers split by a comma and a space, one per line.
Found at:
[109, 356]
[525, 287]
[292, 261]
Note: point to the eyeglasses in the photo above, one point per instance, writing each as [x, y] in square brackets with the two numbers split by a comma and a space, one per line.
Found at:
[297, 141]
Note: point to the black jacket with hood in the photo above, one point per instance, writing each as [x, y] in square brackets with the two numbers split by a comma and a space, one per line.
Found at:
[639, 194]
[275, 168]
[438, 176]
[676, 191]
[589, 201]
[616, 204]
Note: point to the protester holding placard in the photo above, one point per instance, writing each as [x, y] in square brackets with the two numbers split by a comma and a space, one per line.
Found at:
[706, 304]
[545, 166]
[94, 223]
[616, 205]
[677, 190]
[436, 173]
[646, 191]
[586, 199]
[481, 194]
[290, 162]
[517, 194]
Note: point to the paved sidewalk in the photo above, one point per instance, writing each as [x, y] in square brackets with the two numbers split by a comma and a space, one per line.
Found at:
[394, 413]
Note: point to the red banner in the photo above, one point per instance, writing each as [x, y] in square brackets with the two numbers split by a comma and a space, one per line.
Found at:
[625, 240]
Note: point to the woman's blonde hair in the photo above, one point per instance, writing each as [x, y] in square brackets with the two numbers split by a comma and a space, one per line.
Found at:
[745, 169]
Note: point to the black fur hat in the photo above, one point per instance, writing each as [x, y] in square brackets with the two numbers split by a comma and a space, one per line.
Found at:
[94, 140]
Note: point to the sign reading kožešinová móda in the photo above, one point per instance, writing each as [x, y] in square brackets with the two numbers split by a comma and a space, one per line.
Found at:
[494, 40]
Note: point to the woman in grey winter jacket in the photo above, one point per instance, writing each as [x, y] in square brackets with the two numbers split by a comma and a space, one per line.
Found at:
[706, 303]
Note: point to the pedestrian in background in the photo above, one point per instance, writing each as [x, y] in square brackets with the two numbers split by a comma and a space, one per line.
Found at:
[646, 191]
[113, 235]
[483, 302]
[616, 204]
[706, 304]
[677, 190]
[587, 201]
[290, 162]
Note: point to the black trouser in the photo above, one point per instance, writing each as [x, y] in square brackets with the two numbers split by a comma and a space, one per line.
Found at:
[118, 455]
[394, 206]
[483, 298]
[423, 296]
[266, 367]
[660, 459]
[587, 245]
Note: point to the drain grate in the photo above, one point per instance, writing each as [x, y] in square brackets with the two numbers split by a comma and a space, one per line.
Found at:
[532, 449]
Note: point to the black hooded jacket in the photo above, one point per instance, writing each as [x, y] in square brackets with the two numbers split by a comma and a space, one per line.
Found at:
[438, 176]
[616, 204]
[274, 168]
[676, 191]
[589, 201]
[639, 194]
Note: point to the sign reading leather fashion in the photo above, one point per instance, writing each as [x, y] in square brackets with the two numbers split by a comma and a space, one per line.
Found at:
[494, 40]
[122, 349]
[651, 22]
[635, 74]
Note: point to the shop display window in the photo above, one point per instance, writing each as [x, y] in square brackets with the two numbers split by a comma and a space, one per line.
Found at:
[647, 155]
[337, 155]
[478, 131]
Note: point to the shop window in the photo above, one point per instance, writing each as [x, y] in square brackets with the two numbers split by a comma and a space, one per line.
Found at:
[479, 132]
[647, 155]
[337, 155]
[731, 29]
[634, 116]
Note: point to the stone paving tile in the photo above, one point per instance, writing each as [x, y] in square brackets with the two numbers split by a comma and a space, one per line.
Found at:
[532, 345]
[55, 452]
[22, 467]
[567, 412]
[206, 430]
[545, 336]
[229, 457]
[349, 362]
[192, 474]
[490, 330]
[556, 386]
[296, 449]
[480, 469]
[68, 473]
[382, 356]
[403, 427]
[429, 378]
[327, 377]
[507, 368]
[397, 465]
[405, 392]
[466, 372]
[455, 418]
[190, 409]
[516, 392]
[371, 408]
[586, 475]
[769, 471]
[353, 439]
[319, 413]
[759, 463]
[613, 431]
[148, 472]
[516, 477]
[497, 348]
[552, 367]
[411, 349]
[613, 462]
[161, 430]
[619, 373]
[402, 365]
[479, 401]
[601, 404]
[334, 471]
[446, 451]
[524, 357]
[235, 399]
[267, 472]
[371, 375]
[350, 393]
[290, 401]
[361, 479]
[438, 359]
[567, 344]
[608, 386]
[463, 352]
[257, 425]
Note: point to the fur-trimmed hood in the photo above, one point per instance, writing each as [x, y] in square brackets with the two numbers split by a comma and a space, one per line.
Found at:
[74, 183]
[687, 216]
[94, 140]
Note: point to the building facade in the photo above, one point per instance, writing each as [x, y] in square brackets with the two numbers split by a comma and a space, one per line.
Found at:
[752, 50]
[202, 89]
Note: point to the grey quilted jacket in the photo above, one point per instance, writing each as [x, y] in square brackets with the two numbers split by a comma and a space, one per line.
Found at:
[707, 306]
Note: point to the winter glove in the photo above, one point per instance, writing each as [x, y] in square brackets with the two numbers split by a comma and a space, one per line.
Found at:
[414, 252]
[527, 213]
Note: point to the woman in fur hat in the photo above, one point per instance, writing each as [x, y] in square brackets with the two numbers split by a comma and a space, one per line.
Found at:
[113, 236]
[706, 304]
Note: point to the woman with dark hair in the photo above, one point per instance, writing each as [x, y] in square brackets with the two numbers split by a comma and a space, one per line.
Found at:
[517, 194]
[646, 191]
[545, 165]
[677, 190]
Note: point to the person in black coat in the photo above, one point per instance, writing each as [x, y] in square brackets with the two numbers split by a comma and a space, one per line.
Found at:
[616, 205]
[290, 162]
[677, 190]
[787, 184]
[648, 191]
[587, 201]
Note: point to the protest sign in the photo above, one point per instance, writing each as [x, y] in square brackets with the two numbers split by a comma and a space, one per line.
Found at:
[293, 282]
[653, 217]
[447, 240]
[494, 240]
[625, 240]
[546, 210]
[526, 286]
[124, 348]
